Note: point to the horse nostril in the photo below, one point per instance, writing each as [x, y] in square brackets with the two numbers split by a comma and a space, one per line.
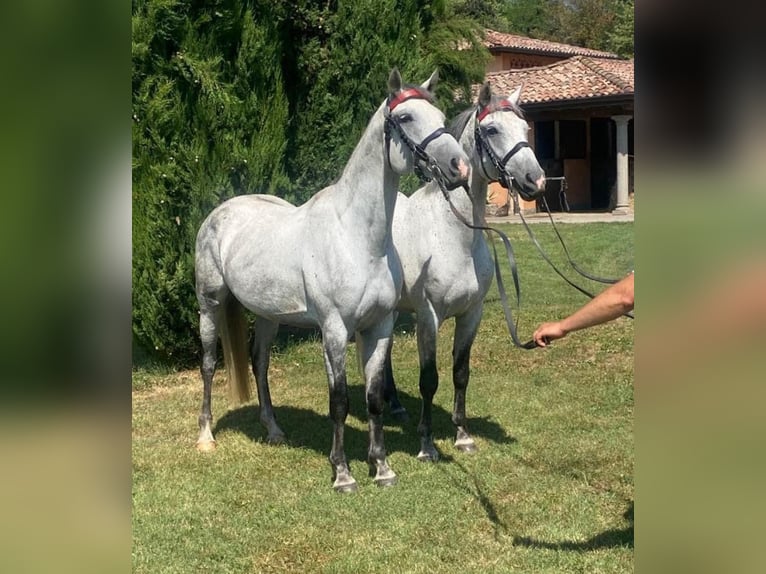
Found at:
[459, 166]
[539, 184]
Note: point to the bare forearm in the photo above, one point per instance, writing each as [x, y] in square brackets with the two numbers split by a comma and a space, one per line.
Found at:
[608, 305]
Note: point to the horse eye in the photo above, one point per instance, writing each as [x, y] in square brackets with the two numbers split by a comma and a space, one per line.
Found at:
[491, 130]
[404, 118]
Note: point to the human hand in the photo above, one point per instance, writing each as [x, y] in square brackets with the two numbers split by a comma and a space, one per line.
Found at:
[548, 332]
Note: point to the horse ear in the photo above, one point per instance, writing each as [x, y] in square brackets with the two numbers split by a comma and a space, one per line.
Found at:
[394, 81]
[485, 95]
[515, 96]
[430, 83]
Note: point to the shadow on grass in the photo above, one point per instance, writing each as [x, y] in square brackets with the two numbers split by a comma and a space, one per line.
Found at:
[612, 538]
[441, 420]
[476, 489]
[307, 428]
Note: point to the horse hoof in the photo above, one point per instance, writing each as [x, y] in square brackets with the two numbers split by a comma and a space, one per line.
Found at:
[276, 439]
[206, 446]
[384, 481]
[345, 487]
[424, 456]
[467, 447]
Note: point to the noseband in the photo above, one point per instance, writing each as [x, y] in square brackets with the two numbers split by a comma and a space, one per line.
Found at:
[482, 147]
[418, 150]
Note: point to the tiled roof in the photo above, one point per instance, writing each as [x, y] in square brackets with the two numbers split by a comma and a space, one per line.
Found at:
[578, 77]
[499, 40]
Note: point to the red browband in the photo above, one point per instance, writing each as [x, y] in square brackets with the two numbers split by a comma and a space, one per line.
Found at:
[502, 105]
[405, 95]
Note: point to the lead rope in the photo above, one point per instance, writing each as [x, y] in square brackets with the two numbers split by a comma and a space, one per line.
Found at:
[514, 196]
[512, 325]
[566, 251]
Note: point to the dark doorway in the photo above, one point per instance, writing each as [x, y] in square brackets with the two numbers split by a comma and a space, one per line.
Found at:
[545, 150]
[603, 164]
[545, 140]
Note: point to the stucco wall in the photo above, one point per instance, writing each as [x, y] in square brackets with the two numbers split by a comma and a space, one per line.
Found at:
[513, 61]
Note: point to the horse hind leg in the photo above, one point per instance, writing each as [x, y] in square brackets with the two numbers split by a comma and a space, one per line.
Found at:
[209, 337]
[264, 332]
[390, 394]
[221, 313]
[212, 294]
[375, 345]
[466, 327]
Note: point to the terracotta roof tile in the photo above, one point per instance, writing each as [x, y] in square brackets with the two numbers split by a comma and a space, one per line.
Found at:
[499, 40]
[578, 77]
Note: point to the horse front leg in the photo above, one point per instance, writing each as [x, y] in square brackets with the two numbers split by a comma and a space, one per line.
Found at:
[427, 330]
[466, 327]
[334, 340]
[264, 332]
[375, 345]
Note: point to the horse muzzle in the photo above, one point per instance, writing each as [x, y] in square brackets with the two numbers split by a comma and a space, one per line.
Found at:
[529, 188]
[450, 179]
[457, 175]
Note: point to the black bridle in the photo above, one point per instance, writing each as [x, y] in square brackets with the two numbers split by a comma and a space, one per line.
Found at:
[483, 147]
[426, 167]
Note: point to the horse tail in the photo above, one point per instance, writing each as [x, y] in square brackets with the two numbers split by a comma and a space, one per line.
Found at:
[234, 341]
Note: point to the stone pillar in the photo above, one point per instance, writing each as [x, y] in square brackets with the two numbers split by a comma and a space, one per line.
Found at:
[623, 203]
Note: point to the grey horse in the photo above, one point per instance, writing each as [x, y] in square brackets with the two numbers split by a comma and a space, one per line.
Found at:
[447, 266]
[329, 263]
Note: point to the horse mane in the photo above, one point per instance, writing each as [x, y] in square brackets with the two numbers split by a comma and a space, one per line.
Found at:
[457, 126]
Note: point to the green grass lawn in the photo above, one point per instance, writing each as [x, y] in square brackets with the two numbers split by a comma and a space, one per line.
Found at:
[550, 489]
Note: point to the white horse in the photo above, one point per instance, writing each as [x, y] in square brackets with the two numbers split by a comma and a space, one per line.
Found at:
[447, 266]
[328, 263]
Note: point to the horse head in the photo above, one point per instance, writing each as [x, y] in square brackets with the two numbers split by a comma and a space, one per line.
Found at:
[502, 146]
[415, 135]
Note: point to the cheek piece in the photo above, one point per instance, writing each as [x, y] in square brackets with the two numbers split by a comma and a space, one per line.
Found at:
[483, 147]
[424, 164]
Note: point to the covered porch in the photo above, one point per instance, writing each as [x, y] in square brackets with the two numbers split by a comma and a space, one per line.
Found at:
[580, 113]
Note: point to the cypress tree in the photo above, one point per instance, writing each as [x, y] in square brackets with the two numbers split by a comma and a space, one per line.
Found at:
[209, 121]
